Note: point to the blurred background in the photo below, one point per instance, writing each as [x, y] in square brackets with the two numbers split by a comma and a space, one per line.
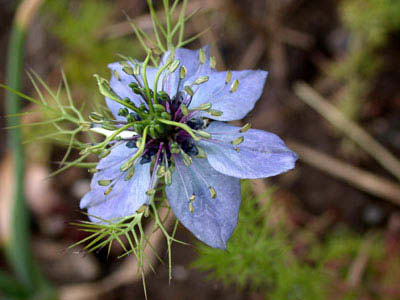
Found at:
[329, 229]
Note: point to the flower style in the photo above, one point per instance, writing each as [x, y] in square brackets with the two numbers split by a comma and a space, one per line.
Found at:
[169, 126]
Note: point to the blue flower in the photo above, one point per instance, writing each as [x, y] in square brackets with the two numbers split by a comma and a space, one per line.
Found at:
[177, 133]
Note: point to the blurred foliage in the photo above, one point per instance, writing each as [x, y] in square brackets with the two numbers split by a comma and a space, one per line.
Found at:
[369, 24]
[262, 257]
[78, 25]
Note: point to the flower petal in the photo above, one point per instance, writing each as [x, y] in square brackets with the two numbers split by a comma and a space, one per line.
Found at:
[126, 196]
[120, 86]
[261, 154]
[213, 219]
[235, 105]
[189, 59]
[167, 82]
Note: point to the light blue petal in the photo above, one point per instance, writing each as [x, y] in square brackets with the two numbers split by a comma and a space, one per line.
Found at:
[212, 220]
[234, 105]
[189, 59]
[167, 82]
[121, 87]
[118, 153]
[126, 196]
[262, 154]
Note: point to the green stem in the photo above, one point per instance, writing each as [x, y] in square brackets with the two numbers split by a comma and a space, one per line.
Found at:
[180, 125]
[168, 21]
[18, 248]
[146, 83]
[159, 72]
[18, 251]
[142, 145]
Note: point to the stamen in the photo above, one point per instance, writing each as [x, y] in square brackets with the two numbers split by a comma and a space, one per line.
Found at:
[189, 91]
[150, 192]
[201, 80]
[191, 208]
[202, 56]
[182, 72]
[108, 191]
[116, 75]
[245, 128]
[126, 68]
[172, 68]
[168, 177]
[203, 134]
[215, 113]
[104, 182]
[234, 86]
[184, 110]
[228, 77]
[203, 107]
[136, 70]
[213, 192]
[238, 141]
[126, 166]
[129, 174]
[213, 62]
[187, 160]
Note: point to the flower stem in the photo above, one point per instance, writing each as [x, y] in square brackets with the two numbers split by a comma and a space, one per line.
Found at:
[146, 83]
[142, 145]
[180, 125]
[159, 72]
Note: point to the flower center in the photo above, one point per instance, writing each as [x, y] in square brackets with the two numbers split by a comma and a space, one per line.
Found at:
[167, 127]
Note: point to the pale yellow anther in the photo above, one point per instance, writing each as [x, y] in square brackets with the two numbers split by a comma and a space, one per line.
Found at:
[238, 141]
[182, 72]
[213, 192]
[213, 62]
[234, 86]
[104, 182]
[108, 191]
[116, 75]
[172, 68]
[245, 128]
[202, 56]
[228, 77]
